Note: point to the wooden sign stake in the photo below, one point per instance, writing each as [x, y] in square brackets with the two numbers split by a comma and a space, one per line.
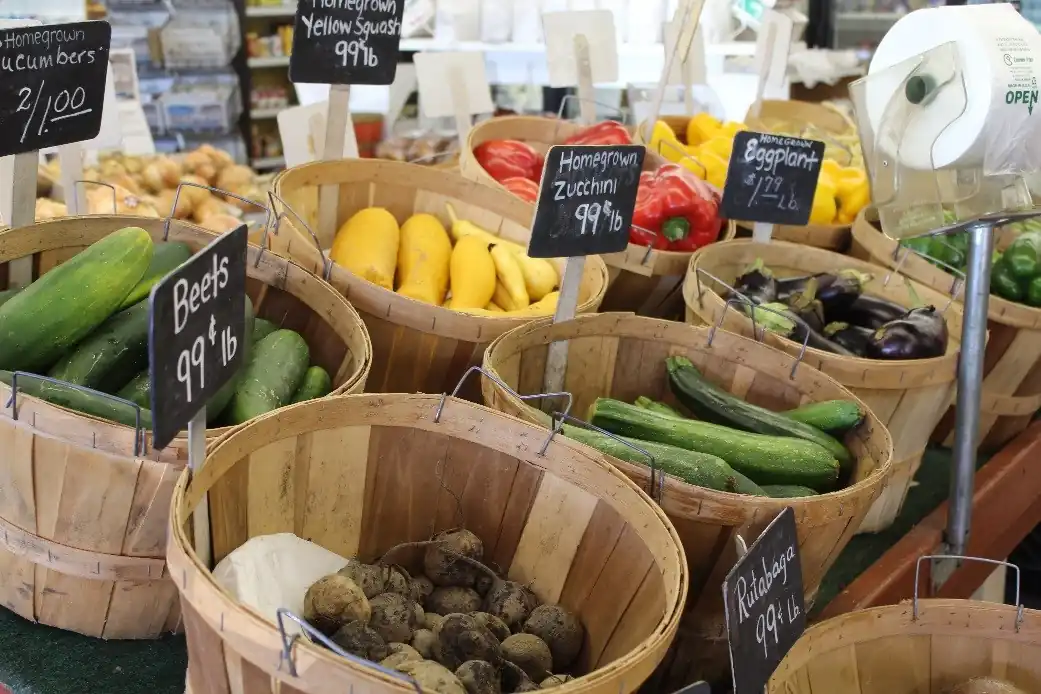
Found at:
[463, 119]
[332, 149]
[71, 159]
[761, 231]
[22, 211]
[196, 457]
[689, 15]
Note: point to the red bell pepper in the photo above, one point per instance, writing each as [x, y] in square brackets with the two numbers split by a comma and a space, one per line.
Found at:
[607, 133]
[504, 159]
[680, 208]
[647, 216]
[524, 188]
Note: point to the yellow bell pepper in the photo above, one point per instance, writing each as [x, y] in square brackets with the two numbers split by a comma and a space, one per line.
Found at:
[702, 127]
[824, 207]
[854, 193]
[664, 141]
[732, 128]
[692, 162]
[831, 168]
[826, 182]
[720, 145]
[716, 167]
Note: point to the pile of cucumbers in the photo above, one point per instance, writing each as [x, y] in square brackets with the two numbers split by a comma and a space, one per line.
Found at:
[733, 445]
[85, 324]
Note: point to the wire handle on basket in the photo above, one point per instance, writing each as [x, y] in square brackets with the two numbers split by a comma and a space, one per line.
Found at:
[684, 154]
[216, 191]
[139, 431]
[995, 562]
[575, 98]
[115, 195]
[494, 379]
[283, 614]
[327, 264]
[432, 157]
[756, 334]
[959, 275]
[654, 470]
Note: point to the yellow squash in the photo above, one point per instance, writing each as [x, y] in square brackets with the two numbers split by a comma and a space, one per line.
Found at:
[540, 275]
[367, 245]
[501, 296]
[462, 227]
[424, 255]
[493, 307]
[472, 274]
[507, 269]
[546, 307]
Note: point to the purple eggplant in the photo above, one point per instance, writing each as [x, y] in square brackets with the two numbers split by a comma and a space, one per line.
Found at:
[757, 283]
[854, 338]
[807, 306]
[835, 290]
[921, 333]
[790, 325]
[871, 312]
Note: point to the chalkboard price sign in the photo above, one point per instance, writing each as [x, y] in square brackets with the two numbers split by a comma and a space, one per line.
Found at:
[346, 41]
[586, 200]
[765, 611]
[52, 84]
[196, 332]
[772, 178]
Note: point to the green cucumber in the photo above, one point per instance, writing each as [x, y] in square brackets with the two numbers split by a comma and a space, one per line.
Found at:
[831, 416]
[139, 390]
[713, 404]
[764, 459]
[219, 401]
[271, 378]
[166, 258]
[787, 491]
[8, 294]
[659, 407]
[262, 328]
[316, 384]
[81, 401]
[111, 355]
[699, 469]
[47, 318]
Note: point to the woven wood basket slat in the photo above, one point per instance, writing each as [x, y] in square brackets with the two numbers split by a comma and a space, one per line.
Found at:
[564, 521]
[909, 397]
[84, 518]
[622, 356]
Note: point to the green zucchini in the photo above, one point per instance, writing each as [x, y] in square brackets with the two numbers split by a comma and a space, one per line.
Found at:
[787, 491]
[271, 378]
[81, 401]
[713, 404]
[262, 328]
[764, 459]
[831, 416]
[166, 258]
[699, 469]
[8, 294]
[316, 384]
[219, 401]
[139, 390]
[659, 407]
[52, 314]
[111, 355]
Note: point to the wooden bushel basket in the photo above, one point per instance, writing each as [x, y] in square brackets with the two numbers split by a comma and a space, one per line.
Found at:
[1012, 362]
[909, 397]
[648, 283]
[417, 347]
[85, 502]
[622, 356]
[370, 471]
[915, 647]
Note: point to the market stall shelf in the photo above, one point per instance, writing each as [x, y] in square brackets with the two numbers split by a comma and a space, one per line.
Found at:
[85, 500]
[371, 471]
[642, 280]
[923, 646]
[622, 356]
[1012, 365]
[417, 346]
[908, 396]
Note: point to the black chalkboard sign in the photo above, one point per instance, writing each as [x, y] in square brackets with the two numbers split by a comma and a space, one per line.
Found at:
[772, 178]
[346, 41]
[586, 200]
[765, 611]
[196, 332]
[52, 84]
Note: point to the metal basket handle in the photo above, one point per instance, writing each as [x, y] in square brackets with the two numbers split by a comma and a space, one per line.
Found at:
[139, 431]
[115, 195]
[553, 429]
[995, 562]
[327, 263]
[959, 276]
[433, 157]
[656, 495]
[684, 154]
[216, 191]
[288, 641]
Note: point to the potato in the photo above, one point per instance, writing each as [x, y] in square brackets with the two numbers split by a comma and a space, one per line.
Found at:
[492, 624]
[461, 638]
[393, 617]
[511, 602]
[432, 677]
[445, 601]
[366, 576]
[555, 681]
[561, 631]
[986, 685]
[440, 563]
[529, 653]
[424, 641]
[235, 177]
[333, 601]
[221, 223]
[400, 653]
[197, 195]
[165, 200]
[479, 677]
[361, 641]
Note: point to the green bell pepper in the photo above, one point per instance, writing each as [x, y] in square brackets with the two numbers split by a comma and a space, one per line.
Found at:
[1034, 292]
[1004, 284]
[1023, 256]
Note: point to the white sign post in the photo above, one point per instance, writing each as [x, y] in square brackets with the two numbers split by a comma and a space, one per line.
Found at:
[684, 26]
[303, 129]
[581, 50]
[690, 69]
[468, 92]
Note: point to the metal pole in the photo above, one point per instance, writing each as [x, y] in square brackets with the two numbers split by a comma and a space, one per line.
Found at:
[970, 386]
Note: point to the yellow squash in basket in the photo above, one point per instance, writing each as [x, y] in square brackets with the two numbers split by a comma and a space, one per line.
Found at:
[367, 245]
[472, 274]
[507, 270]
[424, 255]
